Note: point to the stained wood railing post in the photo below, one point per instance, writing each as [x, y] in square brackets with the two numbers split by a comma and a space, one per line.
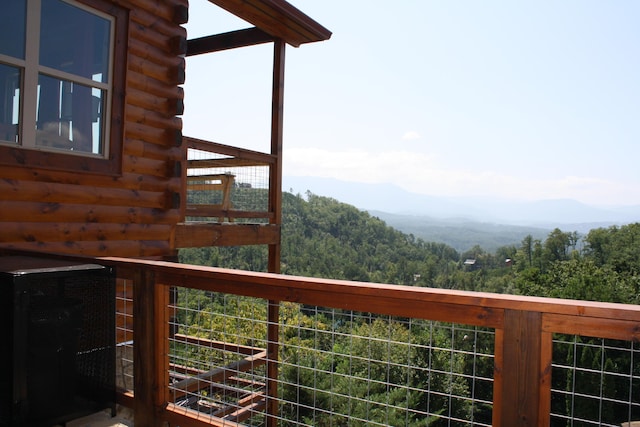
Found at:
[162, 326]
[272, 363]
[145, 334]
[275, 206]
[275, 170]
[522, 383]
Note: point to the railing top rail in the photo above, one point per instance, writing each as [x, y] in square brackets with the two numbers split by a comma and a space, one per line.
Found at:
[464, 307]
[215, 147]
[474, 308]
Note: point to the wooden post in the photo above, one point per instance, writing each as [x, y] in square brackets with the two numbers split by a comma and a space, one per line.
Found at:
[277, 123]
[149, 383]
[162, 317]
[272, 362]
[275, 206]
[519, 377]
[546, 358]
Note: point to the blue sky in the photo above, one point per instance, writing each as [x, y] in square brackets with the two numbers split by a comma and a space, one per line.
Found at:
[518, 100]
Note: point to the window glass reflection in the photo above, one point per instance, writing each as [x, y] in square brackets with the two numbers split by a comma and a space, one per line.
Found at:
[69, 116]
[74, 40]
[9, 103]
[12, 28]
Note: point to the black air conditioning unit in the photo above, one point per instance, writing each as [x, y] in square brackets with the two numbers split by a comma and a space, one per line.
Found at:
[57, 326]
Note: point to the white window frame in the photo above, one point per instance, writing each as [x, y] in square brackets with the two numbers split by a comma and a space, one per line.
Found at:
[31, 70]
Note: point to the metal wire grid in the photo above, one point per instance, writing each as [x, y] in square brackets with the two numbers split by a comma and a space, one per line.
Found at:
[335, 367]
[596, 382]
[124, 334]
[249, 191]
[328, 357]
[358, 368]
[218, 355]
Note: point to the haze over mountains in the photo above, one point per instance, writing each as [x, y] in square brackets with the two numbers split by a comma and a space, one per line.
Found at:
[488, 222]
[392, 199]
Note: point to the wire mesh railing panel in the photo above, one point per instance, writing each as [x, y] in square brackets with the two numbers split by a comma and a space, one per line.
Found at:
[349, 368]
[124, 334]
[335, 367]
[228, 184]
[595, 382]
[217, 360]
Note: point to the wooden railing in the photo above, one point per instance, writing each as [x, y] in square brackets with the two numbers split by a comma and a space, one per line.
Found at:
[523, 328]
[524, 332]
[212, 172]
[224, 184]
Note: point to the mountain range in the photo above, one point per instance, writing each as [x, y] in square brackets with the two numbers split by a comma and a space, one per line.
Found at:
[393, 199]
[489, 221]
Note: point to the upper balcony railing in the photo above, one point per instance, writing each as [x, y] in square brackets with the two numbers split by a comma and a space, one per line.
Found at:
[222, 347]
[226, 183]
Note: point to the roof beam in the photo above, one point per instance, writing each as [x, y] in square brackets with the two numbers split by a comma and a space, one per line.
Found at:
[225, 41]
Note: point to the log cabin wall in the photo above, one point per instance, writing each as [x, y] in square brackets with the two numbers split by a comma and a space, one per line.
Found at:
[132, 211]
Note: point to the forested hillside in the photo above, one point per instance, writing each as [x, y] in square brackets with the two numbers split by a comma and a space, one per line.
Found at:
[325, 238]
[322, 237]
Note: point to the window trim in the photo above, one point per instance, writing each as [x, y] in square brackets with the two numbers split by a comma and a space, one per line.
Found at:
[111, 164]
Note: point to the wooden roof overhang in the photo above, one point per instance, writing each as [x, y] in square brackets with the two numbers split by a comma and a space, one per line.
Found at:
[273, 20]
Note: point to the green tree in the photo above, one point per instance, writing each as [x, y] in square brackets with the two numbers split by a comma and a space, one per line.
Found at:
[616, 246]
[527, 250]
[558, 245]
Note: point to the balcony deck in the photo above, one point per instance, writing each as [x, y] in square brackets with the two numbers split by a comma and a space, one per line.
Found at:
[229, 197]
[275, 343]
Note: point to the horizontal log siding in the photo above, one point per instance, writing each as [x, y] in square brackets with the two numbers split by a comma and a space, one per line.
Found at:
[69, 213]
[134, 213]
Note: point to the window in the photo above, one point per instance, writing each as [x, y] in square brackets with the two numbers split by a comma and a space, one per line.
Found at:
[58, 73]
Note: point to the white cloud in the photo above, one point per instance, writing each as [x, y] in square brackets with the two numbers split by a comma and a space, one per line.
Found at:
[420, 173]
[411, 135]
[355, 165]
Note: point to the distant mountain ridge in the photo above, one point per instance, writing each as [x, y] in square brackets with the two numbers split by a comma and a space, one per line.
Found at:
[563, 213]
[465, 222]
[462, 235]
